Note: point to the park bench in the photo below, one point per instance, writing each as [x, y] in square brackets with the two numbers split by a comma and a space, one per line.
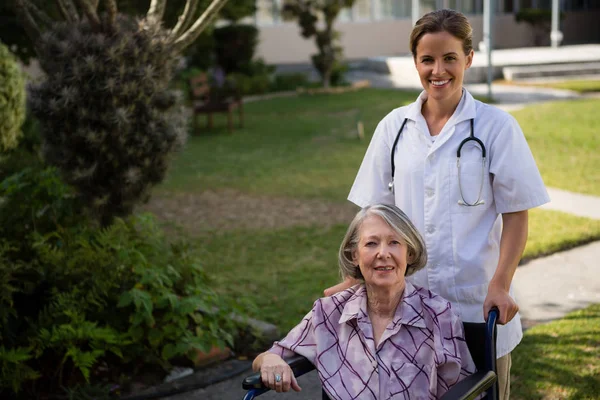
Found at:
[214, 97]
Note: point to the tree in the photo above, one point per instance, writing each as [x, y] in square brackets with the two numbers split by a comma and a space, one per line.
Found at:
[13, 34]
[108, 118]
[307, 13]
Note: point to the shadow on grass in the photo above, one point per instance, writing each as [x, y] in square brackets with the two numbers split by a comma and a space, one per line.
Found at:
[560, 360]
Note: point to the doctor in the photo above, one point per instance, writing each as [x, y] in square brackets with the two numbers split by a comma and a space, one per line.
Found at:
[469, 201]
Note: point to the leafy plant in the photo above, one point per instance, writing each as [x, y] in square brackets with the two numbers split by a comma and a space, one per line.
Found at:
[12, 100]
[84, 304]
[108, 120]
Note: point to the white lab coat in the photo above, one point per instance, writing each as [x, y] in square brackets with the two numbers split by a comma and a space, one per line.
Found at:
[463, 243]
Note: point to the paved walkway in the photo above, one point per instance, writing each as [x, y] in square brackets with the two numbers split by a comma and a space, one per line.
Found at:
[546, 288]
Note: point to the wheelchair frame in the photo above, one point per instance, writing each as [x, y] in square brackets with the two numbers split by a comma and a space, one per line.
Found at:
[481, 340]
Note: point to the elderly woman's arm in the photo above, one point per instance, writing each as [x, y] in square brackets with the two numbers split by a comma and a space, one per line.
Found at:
[275, 372]
[457, 362]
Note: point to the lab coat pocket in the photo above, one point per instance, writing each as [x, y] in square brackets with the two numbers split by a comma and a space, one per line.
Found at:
[409, 381]
[472, 301]
[469, 185]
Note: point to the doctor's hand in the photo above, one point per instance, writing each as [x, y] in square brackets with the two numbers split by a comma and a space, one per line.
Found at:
[499, 297]
[346, 284]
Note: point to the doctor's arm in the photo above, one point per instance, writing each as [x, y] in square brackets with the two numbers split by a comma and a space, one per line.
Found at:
[512, 244]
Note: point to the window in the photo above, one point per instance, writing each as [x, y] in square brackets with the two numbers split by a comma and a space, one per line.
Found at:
[395, 8]
[362, 10]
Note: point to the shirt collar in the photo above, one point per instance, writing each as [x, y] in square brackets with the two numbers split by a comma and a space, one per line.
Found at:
[408, 312]
[464, 111]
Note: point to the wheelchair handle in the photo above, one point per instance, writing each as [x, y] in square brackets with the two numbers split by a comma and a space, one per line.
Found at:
[490, 337]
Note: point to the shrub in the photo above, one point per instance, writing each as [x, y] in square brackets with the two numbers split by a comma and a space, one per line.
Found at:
[235, 46]
[12, 99]
[83, 304]
[108, 117]
[286, 82]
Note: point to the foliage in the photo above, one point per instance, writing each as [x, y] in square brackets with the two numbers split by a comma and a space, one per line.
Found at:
[256, 80]
[26, 154]
[12, 100]
[285, 82]
[13, 33]
[108, 119]
[235, 46]
[307, 13]
[82, 304]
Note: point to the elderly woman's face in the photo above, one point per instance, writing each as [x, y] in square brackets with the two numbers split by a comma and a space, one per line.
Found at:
[381, 253]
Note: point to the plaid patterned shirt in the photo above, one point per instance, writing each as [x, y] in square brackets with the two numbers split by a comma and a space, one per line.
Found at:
[421, 354]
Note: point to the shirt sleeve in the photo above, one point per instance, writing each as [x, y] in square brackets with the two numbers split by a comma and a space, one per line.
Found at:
[374, 174]
[300, 340]
[455, 363]
[517, 183]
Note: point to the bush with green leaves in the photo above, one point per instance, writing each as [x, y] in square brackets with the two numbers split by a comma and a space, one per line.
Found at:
[108, 120]
[85, 304]
[12, 100]
[235, 46]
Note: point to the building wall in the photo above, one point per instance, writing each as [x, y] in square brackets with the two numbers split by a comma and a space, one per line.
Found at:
[282, 43]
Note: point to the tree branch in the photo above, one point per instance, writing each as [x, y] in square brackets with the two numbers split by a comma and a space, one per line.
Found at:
[185, 18]
[89, 10]
[32, 29]
[111, 11]
[201, 23]
[39, 14]
[156, 10]
[68, 10]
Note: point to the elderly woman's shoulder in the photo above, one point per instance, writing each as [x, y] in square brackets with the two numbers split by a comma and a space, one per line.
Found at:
[339, 299]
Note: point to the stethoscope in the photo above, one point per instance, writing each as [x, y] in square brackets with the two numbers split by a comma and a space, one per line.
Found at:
[471, 137]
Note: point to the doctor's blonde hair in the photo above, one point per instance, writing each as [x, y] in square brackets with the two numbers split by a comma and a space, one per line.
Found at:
[399, 222]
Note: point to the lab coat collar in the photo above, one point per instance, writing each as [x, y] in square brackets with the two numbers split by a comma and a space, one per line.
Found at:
[464, 111]
[409, 310]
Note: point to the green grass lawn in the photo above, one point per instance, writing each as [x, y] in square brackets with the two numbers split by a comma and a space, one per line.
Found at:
[311, 144]
[306, 147]
[286, 270]
[577, 85]
[559, 360]
[565, 141]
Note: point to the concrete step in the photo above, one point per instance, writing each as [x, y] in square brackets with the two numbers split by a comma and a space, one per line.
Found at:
[514, 73]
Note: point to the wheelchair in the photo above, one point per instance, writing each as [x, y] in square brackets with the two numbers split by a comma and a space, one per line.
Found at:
[481, 340]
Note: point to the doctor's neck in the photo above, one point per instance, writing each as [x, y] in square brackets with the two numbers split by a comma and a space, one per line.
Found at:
[440, 109]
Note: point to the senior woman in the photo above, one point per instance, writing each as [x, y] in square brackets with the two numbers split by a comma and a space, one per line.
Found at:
[383, 338]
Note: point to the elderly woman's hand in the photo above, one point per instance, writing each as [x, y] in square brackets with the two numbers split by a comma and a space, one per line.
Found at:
[276, 374]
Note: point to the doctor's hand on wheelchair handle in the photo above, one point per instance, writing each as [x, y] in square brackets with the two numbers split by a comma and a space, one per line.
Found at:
[276, 374]
[501, 299]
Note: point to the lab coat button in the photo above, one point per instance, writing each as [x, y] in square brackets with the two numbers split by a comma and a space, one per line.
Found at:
[429, 192]
[430, 229]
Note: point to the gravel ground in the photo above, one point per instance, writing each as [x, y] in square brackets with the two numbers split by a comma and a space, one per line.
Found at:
[225, 210]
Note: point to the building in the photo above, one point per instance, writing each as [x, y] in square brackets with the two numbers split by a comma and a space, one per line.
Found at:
[381, 27]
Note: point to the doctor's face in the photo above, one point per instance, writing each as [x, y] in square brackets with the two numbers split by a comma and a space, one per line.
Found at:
[441, 63]
[381, 254]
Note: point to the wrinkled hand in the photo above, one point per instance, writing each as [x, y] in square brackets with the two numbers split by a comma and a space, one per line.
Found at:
[346, 284]
[273, 365]
[499, 297]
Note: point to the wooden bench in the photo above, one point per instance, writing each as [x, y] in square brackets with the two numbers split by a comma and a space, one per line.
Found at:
[207, 99]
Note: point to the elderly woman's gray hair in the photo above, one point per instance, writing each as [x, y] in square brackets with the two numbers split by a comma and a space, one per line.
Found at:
[399, 222]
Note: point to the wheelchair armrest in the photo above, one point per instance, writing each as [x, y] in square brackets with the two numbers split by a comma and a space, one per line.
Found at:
[299, 364]
[471, 387]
